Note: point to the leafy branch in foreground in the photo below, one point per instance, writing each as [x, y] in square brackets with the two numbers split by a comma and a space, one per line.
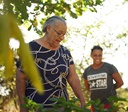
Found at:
[72, 105]
[9, 29]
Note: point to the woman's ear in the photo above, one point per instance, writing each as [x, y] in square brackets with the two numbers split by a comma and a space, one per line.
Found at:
[48, 28]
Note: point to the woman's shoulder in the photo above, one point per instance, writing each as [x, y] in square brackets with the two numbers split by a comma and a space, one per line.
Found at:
[34, 45]
[33, 42]
[64, 48]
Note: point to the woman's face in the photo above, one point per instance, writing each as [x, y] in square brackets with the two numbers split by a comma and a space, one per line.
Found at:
[97, 56]
[56, 33]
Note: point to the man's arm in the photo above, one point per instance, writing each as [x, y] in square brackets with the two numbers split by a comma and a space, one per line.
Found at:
[74, 82]
[117, 78]
[86, 84]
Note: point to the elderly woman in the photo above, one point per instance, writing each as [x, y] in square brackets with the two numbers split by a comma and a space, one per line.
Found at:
[55, 64]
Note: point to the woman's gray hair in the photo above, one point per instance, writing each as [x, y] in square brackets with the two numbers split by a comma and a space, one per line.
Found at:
[52, 21]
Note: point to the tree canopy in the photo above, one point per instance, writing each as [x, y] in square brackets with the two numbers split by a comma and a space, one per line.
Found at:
[30, 10]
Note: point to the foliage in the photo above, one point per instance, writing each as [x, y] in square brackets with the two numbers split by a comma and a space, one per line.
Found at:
[122, 92]
[71, 105]
[8, 94]
[29, 11]
[67, 106]
[5, 86]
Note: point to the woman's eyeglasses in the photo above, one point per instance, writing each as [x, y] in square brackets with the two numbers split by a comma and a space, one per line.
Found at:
[58, 33]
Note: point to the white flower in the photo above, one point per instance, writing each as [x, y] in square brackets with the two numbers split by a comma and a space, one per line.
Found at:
[4, 91]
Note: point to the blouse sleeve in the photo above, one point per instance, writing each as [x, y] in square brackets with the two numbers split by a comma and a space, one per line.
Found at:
[69, 56]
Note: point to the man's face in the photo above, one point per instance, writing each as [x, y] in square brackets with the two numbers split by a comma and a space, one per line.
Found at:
[97, 56]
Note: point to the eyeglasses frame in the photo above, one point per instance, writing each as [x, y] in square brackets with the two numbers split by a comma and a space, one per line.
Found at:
[57, 32]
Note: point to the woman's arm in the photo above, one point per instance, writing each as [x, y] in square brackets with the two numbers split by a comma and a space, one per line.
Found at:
[20, 87]
[74, 82]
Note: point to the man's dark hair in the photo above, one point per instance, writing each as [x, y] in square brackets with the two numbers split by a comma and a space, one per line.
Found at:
[97, 47]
